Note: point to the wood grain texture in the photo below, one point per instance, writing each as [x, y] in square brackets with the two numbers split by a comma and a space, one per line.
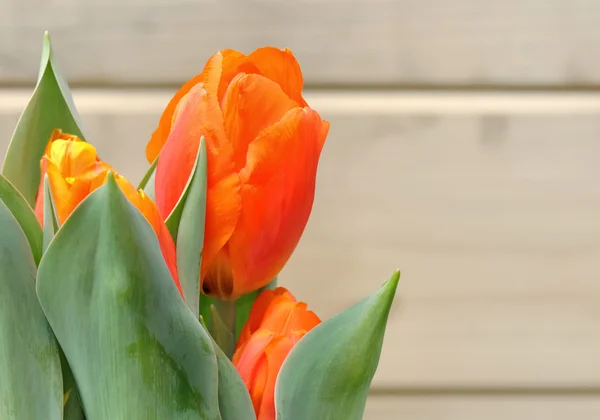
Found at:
[482, 408]
[493, 218]
[372, 42]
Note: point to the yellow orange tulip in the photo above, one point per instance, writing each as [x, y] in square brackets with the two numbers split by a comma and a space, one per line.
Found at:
[276, 323]
[263, 146]
[74, 171]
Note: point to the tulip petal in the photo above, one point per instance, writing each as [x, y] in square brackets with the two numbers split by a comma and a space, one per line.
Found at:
[262, 304]
[281, 67]
[160, 135]
[66, 196]
[199, 115]
[222, 68]
[258, 311]
[277, 193]
[72, 156]
[252, 103]
[284, 316]
[246, 357]
[217, 73]
[275, 354]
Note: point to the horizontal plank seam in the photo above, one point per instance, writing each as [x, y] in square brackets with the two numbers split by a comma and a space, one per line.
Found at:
[489, 391]
[127, 101]
[83, 83]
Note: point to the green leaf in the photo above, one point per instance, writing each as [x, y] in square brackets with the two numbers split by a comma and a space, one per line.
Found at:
[30, 380]
[50, 107]
[222, 325]
[25, 216]
[234, 399]
[50, 216]
[206, 308]
[27, 219]
[135, 349]
[72, 408]
[186, 224]
[148, 179]
[327, 375]
[190, 236]
[242, 313]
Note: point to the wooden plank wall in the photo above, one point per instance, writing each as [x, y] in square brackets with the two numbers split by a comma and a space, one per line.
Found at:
[464, 150]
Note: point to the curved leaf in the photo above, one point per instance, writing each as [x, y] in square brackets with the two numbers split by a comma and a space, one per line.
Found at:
[135, 349]
[50, 218]
[327, 375]
[31, 382]
[188, 221]
[50, 107]
[149, 177]
[25, 216]
[234, 399]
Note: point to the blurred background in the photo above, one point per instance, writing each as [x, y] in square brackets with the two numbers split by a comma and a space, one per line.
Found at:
[464, 149]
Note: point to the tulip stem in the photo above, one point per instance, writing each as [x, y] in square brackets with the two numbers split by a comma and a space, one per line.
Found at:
[223, 325]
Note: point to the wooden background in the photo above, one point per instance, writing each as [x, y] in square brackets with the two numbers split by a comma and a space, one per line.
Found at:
[464, 150]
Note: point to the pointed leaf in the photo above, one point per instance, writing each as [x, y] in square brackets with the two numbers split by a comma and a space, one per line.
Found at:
[25, 216]
[222, 325]
[50, 218]
[30, 380]
[135, 349]
[327, 375]
[234, 399]
[149, 175]
[50, 107]
[186, 224]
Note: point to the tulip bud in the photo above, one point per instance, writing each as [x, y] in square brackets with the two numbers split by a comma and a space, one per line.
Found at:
[74, 171]
[263, 146]
[277, 322]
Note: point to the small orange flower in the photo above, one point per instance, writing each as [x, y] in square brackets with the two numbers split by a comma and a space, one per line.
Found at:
[277, 322]
[263, 146]
[74, 170]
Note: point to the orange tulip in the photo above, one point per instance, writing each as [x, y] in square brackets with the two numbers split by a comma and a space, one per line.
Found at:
[74, 170]
[277, 322]
[263, 146]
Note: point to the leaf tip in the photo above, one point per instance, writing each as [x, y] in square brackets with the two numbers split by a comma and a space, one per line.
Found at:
[391, 284]
[388, 290]
[47, 41]
[111, 184]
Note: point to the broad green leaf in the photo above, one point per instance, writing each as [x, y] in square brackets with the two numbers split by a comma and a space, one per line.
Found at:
[50, 215]
[234, 399]
[190, 231]
[30, 380]
[135, 349]
[27, 219]
[327, 375]
[50, 107]
[25, 216]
